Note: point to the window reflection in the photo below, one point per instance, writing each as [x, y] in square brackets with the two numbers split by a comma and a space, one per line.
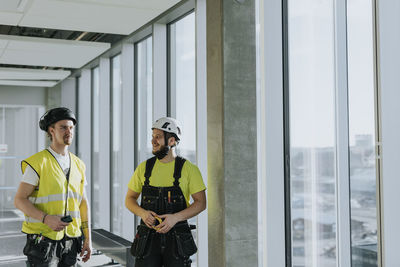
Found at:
[118, 187]
[183, 82]
[362, 133]
[144, 82]
[183, 88]
[15, 145]
[312, 132]
[95, 201]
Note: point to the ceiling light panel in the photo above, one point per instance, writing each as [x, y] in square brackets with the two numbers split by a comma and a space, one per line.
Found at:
[34, 51]
[29, 83]
[105, 16]
[32, 74]
[148, 4]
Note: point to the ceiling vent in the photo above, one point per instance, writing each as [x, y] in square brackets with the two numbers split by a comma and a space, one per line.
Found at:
[13, 5]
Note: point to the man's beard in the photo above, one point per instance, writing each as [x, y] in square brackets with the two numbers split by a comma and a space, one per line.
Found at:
[162, 152]
[67, 141]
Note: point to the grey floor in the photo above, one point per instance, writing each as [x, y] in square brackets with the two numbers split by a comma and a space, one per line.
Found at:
[12, 241]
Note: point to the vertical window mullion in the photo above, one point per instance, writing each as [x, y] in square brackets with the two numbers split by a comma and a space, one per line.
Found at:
[127, 132]
[201, 123]
[159, 70]
[342, 137]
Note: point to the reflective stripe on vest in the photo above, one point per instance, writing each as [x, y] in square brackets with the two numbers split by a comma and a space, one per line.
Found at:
[56, 197]
[51, 193]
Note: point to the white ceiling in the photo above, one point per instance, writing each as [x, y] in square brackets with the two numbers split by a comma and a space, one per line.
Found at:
[105, 16]
[100, 16]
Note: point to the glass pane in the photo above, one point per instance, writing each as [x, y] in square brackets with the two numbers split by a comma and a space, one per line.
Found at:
[183, 82]
[118, 189]
[15, 145]
[312, 132]
[144, 98]
[183, 88]
[362, 133]
[95, 201]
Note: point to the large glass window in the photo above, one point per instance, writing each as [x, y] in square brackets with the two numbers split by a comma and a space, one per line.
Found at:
[15, 145]
[362, 133]
[182, 91]
[312, 132]
[95, 187]
[117, 182]
[183, 82]
[144, 96]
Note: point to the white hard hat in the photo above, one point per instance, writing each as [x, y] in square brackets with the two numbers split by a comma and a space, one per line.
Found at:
[169, 125]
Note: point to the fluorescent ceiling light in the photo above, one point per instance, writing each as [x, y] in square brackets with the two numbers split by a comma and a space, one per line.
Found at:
[29, 83]
[32, 74]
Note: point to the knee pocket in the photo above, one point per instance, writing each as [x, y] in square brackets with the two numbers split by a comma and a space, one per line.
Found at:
[38, 252]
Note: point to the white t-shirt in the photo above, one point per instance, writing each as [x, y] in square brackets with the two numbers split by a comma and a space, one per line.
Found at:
[31, 177]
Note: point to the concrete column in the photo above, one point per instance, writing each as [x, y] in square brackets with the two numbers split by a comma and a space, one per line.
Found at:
[232, 133]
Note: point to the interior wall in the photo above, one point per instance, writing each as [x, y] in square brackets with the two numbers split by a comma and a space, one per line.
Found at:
[23, 95]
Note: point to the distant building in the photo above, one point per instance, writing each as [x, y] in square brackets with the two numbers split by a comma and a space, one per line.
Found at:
[364, 255]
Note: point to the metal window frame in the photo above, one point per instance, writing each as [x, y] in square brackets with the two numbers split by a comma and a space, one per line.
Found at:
[91, 129]
[104, 136]
[159, 70]
[128, 113]
[143, 130]
[201, 123]
[343, 255]
[270, 133]
[387, 58]
[343, 246]
[111, 100]
[85, 125]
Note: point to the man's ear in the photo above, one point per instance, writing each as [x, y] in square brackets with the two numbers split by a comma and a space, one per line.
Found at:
[50, 130]
[171, 141]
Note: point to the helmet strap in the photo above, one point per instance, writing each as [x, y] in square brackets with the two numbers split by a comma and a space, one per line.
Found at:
[162, 153]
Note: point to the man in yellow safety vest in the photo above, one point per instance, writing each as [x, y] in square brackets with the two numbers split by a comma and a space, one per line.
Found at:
[52, 197]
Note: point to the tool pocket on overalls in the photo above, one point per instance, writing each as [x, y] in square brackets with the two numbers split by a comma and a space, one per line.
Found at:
[69, 252]
[150, 203]
[185, 245]
[174, 204]
[141, 243]
[38, 249]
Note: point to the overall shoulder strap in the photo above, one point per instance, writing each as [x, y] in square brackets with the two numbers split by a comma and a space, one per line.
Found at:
[149, 167]
[179, 161]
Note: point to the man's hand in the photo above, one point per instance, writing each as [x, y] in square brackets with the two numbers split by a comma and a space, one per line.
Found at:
[169, 221]
[55, 223]
[86, 251]
[148, 218]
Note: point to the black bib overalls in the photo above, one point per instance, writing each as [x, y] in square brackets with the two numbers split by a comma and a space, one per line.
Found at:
[173, 249]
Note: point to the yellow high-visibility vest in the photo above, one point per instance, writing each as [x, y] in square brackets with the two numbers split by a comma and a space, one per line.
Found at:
[51, 193]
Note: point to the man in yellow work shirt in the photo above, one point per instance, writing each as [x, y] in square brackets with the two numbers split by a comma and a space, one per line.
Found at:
[52, 196]
[166, 183]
